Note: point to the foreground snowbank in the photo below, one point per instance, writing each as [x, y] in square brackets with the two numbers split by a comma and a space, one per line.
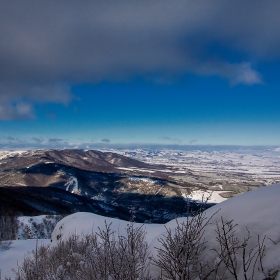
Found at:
[86, 223]
[256, 210]
[15, 255]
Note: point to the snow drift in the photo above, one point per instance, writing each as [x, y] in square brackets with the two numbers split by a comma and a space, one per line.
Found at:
[258, 211]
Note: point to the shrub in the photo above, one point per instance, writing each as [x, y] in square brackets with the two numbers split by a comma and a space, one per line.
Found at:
[102, 255]
[105, 255]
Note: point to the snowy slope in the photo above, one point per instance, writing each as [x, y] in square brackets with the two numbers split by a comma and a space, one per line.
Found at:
[258, 210]
[19, 248]
[37, 227]
[86, 223]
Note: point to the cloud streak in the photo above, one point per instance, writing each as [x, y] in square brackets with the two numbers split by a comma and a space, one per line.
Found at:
[17, 99]
[105, 140]
[170, 139]
[47, 46]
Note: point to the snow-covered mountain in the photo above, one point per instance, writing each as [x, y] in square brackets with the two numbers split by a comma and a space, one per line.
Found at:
[105, 183]
[157, 184]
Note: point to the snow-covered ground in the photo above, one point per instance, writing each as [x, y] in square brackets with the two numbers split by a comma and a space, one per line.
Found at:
[86, 223]
[262, 163]
[15, 255]
[37, 227]
[203, 196]
[142, 179]
[256, 210]
[6, 154]
[258, 162]
[135, 169]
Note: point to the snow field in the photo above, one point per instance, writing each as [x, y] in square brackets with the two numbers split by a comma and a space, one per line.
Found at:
[86, 223]
[262, 163]
[9, 259]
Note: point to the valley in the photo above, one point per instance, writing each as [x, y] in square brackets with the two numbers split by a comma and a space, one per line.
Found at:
[156, 185]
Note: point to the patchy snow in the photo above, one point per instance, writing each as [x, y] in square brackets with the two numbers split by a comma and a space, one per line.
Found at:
[33, 227]
[136, 169]
[99, 197]
[127, 169]
[7, 154]
[29, 219]
[143, 179]
[263, 163]
[73, 185]
[146, 170]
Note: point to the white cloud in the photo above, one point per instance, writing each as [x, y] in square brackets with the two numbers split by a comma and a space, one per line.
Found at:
[17, 111]
[246, 75]
[17, 101]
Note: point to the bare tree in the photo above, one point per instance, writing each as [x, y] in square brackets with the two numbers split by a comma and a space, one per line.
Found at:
[106, 255]
[101, 255]
[230, 247]
[131, 255]
[179, 256]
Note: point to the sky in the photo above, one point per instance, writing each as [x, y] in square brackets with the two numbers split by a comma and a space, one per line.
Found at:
[184, 72]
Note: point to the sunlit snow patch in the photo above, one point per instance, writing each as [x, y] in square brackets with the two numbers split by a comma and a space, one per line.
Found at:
[202, 196]
[142, 179]
[72, 184]
[99, 197]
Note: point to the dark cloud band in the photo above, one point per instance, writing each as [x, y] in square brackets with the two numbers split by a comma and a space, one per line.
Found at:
[46, 44]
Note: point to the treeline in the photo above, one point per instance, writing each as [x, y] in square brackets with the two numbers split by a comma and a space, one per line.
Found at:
[11, 228]
[8, 227]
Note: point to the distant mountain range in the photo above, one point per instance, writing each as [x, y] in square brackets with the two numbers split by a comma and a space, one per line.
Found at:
[109, 184]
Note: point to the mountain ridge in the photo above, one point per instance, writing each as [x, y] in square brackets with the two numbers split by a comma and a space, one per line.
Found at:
[97, 179]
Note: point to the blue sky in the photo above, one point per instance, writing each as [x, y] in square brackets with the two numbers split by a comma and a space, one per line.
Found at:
[184, 73]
